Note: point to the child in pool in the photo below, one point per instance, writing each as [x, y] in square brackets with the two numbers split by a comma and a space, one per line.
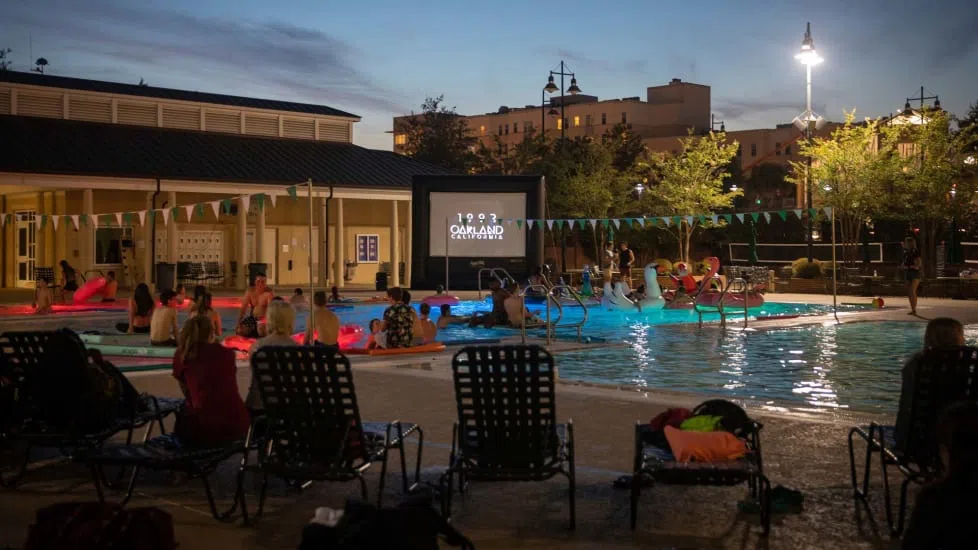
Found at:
[181, 295]
[378, 335]
[110, 289]
[297, 300]
[163, 324]
[43, 297]
[428, 329]
[446, 318]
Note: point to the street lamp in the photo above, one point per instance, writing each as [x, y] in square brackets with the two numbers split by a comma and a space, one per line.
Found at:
[573, 89]
[639, 188]
[714, 122]
[808, 121]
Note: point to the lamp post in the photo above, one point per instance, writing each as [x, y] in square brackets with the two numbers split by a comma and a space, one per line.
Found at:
[544, 113]
[808, 120]
[714, 122]
[551, 87]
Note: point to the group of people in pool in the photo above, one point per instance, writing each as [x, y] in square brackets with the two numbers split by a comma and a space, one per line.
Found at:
[46, 292]
[159, 320]
[402, 326]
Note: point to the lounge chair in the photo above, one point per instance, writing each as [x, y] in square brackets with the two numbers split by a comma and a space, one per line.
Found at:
[22, 356]
[943, 377]
[314, 426]
[657, 463]
[507, 426]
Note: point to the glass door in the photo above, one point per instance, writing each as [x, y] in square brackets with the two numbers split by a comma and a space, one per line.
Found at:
[26, 247]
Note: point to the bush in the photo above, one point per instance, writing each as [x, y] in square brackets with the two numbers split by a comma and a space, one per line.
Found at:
[665, 266]
[803, 269]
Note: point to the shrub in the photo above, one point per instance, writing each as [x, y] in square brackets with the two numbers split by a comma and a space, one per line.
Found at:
[665, 266]
[803, 269]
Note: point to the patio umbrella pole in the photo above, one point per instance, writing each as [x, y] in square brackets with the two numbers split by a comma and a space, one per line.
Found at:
[835, 274]
[312, 280]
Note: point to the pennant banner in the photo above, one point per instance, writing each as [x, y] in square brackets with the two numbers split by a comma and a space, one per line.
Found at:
[165, 217]
[767, 217]
[271, 197]
[74, 220]
[190, 211]
[142, 218]
[740, 217]
[245, 202]
[828, 211]
[550, 225]
[797, 212]
[54, 222]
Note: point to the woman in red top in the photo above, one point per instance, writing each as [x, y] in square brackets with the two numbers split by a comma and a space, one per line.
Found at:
[214, 413]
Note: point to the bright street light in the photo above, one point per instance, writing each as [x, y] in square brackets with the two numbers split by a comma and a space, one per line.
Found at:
[808, 121]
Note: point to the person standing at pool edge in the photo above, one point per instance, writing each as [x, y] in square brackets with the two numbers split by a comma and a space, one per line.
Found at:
[256, 298]
[912, 264]
[625, 260]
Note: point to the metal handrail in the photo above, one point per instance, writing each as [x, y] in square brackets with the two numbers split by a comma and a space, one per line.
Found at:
[493, 273]
[719, 307]
[579, 325]
[560, 310]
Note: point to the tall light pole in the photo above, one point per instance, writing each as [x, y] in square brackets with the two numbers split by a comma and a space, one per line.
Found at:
[808, 121]
[551, 87]
[714, 122]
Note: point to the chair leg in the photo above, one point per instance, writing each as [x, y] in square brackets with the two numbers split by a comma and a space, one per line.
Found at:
[363, 489]
[383, 478]
[219, 516]
[261, 495]
[887, 500]
[765, 494]
[636, 491]
[445, 486]
[902, 512]
[131, 486]
[864, 492]
[400, 451]
[97, 481]
[417, 464]
[572, 478]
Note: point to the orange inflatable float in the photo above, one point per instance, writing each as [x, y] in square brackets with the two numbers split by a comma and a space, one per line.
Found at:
[348, 337]
[424, 348]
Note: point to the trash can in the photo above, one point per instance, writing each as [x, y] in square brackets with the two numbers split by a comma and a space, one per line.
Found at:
[381, 281]
[351, 269]
[166, 276]
[255, 270]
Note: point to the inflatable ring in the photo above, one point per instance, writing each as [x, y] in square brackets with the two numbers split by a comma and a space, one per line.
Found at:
[89, 289]
[425, 348]
[439, 300]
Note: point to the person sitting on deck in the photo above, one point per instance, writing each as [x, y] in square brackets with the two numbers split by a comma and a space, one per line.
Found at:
[213, 413]
[140, 309]
[280, 326]
[163, 323]
[399, 321]
[446, 318]
[202, 305]
[944, 512]
[254, 304]
[324, 330]
[110, 289]
[180, 295]
[69, 279]
[43, 297]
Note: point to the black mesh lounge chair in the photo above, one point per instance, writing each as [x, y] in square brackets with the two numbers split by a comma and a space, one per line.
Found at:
[942, 377]
[507, 426]
[657, 463]
[21, 356]
[314, 427]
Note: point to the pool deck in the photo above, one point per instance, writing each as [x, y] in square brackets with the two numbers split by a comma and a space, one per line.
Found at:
[805, 452]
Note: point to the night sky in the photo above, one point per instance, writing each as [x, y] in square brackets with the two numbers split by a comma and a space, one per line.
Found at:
[381, 58]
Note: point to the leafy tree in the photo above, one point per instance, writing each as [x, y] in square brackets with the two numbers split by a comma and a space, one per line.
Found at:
[440, 136]
[691, 183]
[851, 170]
[5, 60]
[936, 183]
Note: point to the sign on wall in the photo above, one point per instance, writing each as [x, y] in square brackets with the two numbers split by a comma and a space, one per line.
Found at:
[368, 249]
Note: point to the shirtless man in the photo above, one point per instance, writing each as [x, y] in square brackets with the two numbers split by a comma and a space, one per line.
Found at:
[256, 298]
[516, 311]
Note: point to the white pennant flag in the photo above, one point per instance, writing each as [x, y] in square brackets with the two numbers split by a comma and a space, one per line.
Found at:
[667, 220]
[740, 217]
[797, 213]
[271, 198]
[529, 224]
[94, 219]
[828, 211]
[245, 202]
[166, 219]
[715, 219]
[689, 220]
[118, 218]
[37, 221]
[74, 220]
[550, 225]
[142, 218]
[190, 211]
[767, 216]
[54, 220]
[617, 223]
[594, 223]
[216, 206]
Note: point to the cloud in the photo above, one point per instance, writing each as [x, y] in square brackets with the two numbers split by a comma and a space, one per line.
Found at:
[156, 44]
[735, 109]
[579, 60]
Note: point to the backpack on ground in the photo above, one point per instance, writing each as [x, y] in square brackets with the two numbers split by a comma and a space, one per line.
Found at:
[98, 526]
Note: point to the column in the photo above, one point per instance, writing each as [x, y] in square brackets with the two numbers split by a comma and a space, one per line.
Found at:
[172, 234]
[395, 247]
[50, 235]
[242, 256]
[260, 235]
[59, 200]
[87, 232]
[40, 235]
[148, 259]
[340, 245]
[324, 246]
[408, 243]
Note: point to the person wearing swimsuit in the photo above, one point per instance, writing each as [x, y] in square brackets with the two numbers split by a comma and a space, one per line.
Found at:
[254, 304]
[912, 264]
[625, 260]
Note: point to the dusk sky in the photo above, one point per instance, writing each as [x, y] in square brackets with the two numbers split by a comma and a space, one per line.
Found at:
[382, 58]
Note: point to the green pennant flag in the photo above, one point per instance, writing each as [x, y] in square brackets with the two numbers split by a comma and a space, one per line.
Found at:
[728, 217]
[226, 206]
[604, 223]
[812, 212]
[755, 216]
[127, 218]
[44, 221]
[82, 219]
[519, 224]
[702, 219]
[151, 214]
[259, 200]
[559, 224]
[199, 210]
[176, 212]
[678, 220]
[783, 214]
[293, 192]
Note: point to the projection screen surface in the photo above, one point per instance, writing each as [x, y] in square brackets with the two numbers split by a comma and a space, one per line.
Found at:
[476, 226]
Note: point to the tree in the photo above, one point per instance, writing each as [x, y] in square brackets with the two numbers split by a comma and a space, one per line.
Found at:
[851, 170]
[440, 136]
[5, 60]
[691, 183]
[936, 183]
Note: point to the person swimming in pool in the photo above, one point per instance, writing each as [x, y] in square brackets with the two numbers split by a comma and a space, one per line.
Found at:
[254, 305]
[446, 318]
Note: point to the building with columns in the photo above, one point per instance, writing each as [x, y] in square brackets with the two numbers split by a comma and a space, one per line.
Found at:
[73, 147]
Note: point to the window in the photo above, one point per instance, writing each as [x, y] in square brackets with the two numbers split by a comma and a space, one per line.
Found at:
[400, 139]
[753, 149]
[527, 126]
[777, 149]
[587, 120]
[560, 125]
[108, 244]
[507, 129]
[368, 249]
[500, 129]
[482, 129]
[604, 118]
[516, 127]
[787, 150]
[624, 118]
[577, 121]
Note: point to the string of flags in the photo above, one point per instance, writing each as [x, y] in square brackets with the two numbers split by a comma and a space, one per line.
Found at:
[189, 211]
[665, 221]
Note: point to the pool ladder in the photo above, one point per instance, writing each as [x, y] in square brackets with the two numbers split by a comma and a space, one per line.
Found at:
[736, 285]
[498, 273]
[552, 325]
